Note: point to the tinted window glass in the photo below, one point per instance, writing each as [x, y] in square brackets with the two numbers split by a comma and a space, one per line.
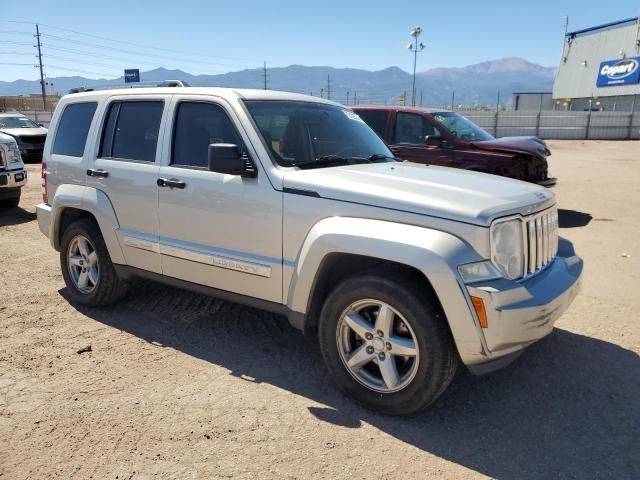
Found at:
[412, 128]
[197, 126]
[73, 128]
[131, 130]
[376, 119]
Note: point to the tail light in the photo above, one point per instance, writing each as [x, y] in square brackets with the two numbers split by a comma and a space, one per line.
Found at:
[43, 183]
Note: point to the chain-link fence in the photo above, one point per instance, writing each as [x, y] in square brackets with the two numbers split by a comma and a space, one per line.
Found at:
[43, 118]
[555, 124]
[547, 124]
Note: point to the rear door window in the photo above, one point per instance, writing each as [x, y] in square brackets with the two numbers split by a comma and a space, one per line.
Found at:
[376, 119]
[73, 128]
[131, 130]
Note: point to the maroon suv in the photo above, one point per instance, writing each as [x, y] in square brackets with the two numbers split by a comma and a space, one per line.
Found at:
[440, 137]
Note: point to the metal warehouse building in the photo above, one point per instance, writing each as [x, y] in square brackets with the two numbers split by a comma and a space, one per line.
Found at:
[600, 68]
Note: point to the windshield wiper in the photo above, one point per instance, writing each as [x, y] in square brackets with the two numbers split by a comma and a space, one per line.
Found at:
[331, 160]
[376, 157]
[337, 160]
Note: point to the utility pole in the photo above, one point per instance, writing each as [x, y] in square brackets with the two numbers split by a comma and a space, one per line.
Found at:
[44, 93]
[453, 100]
[265, 75]
[355, 97]
[322, 93]
[347, 98]
[328, 87]
[420, 97]
[498, 101]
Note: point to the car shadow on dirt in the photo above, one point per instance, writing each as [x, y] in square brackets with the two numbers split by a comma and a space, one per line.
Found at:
[15, 216]
[568, 408]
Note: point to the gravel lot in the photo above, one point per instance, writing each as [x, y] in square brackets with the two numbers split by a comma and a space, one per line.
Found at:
[183, 386]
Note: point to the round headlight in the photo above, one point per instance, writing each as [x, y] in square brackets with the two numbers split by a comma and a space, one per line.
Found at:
[507, 253]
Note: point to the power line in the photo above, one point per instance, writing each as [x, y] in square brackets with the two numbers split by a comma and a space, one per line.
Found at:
[142, 54]
[119, 59]
[18, 64]
[9, 42]
[57, 67]
[124, 42]
[20, 32]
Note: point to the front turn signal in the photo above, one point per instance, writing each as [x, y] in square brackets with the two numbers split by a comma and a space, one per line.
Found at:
[481, 313]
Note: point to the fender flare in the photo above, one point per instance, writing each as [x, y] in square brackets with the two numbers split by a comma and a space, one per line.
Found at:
[90, 200]
[435, 253]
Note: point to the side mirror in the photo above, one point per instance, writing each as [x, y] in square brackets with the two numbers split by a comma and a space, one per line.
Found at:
[227, 158]
[433, 139]
[41, 125]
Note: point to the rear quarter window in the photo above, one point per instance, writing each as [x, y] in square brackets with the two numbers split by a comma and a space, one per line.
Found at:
[73, 128]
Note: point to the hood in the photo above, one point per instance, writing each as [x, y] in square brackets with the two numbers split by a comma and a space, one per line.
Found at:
[531, 145]
[24, 132]
[450, 193]
[6, 138]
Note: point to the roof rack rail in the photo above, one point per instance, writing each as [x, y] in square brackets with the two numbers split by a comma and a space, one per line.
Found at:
[166, 83]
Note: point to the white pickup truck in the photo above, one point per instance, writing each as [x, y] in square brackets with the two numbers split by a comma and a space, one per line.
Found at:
[13, 175]
[293, 204]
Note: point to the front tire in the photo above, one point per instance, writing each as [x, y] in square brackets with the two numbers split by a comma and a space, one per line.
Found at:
[11, 202]
[386, 343]
[86, 266]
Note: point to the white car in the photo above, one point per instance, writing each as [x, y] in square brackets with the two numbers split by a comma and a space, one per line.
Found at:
[13, 175]
[29, 135]
[293, 204]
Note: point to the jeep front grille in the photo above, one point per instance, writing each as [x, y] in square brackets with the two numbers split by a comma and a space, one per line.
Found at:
[540, 240]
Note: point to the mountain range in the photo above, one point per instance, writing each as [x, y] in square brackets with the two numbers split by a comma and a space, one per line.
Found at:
[473, 84]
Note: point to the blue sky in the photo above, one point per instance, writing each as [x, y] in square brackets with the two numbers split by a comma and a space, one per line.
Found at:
[216, 36]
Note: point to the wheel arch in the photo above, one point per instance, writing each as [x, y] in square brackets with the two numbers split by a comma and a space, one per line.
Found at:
[73, 202]
[338, 246]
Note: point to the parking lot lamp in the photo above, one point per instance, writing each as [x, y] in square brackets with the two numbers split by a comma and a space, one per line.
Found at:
[415, 47]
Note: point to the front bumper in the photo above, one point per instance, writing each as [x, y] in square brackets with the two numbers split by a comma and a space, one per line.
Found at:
[13, 179]
[520, 313]
[548, 182]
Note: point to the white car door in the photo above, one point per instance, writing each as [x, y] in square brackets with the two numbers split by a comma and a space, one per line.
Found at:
[219, 230]
[125, 167]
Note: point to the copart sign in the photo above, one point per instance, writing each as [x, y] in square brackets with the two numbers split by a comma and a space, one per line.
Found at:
[619, 72]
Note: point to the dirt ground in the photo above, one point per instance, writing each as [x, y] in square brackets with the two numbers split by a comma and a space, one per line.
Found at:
[182, 386]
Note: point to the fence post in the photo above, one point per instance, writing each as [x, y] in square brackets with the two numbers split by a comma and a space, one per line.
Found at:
[633, 107]
[586, 134]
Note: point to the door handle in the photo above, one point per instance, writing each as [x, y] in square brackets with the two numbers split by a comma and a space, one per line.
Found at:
[171, 183]
[97, 173]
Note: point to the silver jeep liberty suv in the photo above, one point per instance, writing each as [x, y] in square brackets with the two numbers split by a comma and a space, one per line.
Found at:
[293, 204]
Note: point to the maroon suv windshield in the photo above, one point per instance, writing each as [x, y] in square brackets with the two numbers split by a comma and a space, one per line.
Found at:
[461, 127]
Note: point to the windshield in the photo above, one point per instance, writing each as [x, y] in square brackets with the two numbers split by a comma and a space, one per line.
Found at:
[17, 122]
[461, 127]
[306, 132]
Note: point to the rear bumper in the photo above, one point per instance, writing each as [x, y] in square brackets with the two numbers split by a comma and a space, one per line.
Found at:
[521, 313]
[43, 212]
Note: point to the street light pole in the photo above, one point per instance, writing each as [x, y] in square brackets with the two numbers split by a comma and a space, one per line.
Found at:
[415, 48]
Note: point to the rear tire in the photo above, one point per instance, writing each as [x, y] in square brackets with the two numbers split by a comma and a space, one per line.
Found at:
[398, 371]
[86, 266]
